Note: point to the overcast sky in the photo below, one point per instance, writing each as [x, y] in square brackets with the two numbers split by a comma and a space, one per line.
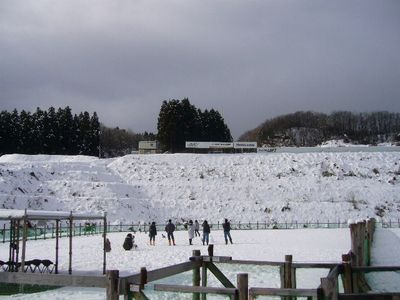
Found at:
[251, 59]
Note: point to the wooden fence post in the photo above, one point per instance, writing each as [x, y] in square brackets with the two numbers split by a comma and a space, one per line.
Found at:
[329, 288]
[112, 284]
[288, 275]
[355, 249]
[143, 277]
[347, 276]
[210, 250]
[196, 275]
[243, 286]
[204, 279]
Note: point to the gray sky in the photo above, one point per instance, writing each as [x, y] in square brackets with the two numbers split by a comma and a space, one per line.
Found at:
[250, 59]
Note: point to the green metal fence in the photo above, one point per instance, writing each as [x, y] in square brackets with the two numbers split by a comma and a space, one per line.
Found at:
[48, 231]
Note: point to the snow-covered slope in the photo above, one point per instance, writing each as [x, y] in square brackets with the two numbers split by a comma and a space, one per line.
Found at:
[242, 187]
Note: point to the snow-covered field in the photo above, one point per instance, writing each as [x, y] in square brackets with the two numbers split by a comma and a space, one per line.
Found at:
[275, 187]
[311, 245]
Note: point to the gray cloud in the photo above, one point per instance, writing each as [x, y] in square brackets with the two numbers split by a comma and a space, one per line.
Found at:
[251, 60]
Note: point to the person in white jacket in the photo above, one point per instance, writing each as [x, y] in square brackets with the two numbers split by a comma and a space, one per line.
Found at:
[196, 228]
[190, 231]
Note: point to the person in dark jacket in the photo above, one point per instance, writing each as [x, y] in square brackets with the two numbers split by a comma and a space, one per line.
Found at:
[170, 228]
[227, 231]
[152, 234]
[206, 232]
[128, 243]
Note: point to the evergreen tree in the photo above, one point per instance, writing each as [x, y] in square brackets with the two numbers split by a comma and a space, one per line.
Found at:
[15, 132]
[65, 131]
[50, 132]
[213, 127]
[26, 138]
[94, 136]
[180, 121]
[6, 139]
[84, 133]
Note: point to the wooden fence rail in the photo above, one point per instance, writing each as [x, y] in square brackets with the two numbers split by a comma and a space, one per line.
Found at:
[309, 293]
[109, 281]
[354, 264]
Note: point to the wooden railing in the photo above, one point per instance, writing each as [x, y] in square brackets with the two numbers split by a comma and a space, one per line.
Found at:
[353, 265]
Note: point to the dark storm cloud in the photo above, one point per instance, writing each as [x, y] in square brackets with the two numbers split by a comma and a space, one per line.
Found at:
[251, 60]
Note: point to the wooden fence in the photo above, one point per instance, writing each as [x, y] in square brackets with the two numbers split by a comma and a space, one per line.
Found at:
[354, 264]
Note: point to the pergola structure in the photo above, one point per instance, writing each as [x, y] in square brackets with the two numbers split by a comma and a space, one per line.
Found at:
[20, 219]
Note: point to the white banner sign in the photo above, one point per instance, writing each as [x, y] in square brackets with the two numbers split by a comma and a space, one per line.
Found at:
[208, 145]
[245, 145]
[221, 145]
[197, 145]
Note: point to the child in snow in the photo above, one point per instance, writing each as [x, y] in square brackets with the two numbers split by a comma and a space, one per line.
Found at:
[196, 228]
[190, 231]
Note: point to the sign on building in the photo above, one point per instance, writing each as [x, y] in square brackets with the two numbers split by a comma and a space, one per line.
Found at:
[221, 145]
[148, 147]
[245, 145]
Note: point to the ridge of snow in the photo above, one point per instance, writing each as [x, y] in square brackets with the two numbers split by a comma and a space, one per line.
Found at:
[276, 187]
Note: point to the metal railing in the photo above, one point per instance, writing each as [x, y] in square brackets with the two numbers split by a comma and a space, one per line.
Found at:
[48, 231]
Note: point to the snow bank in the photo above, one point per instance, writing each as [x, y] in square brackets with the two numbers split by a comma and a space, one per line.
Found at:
[277, 187]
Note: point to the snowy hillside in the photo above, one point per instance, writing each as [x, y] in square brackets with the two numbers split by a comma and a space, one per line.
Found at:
[247, 187]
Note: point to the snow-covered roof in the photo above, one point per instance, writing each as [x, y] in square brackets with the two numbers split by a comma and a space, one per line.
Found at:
[6, 214]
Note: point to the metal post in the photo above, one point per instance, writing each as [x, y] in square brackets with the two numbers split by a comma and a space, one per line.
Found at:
[57, 244]
[70, 244]
[104, 242]
[10, 252]
[17, 246]
[24, 234]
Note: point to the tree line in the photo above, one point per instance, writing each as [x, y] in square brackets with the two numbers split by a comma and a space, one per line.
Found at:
[118, 142]
[180, 121]
[312, 128]
[58, 131]
[49, 132]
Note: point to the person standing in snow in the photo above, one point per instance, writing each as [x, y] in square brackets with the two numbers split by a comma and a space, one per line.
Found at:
[107, 245]
[152, 234]
[190, 231]
[196, 228]
[206, 232]
[227, 231]
[170, 228]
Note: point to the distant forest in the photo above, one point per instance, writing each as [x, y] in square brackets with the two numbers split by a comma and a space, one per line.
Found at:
[60, 132]
[312, 128]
